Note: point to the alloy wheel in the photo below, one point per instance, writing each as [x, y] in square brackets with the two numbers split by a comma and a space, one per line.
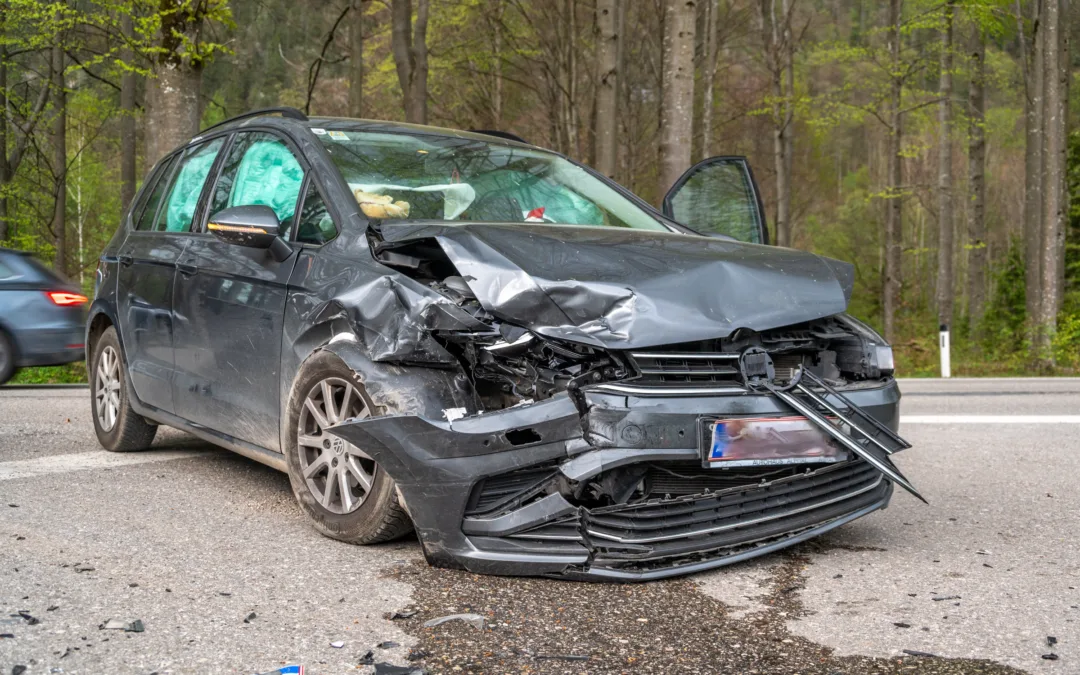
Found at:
[338, 474]
[107, 389]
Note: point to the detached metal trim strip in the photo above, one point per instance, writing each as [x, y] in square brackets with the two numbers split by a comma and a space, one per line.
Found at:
[685, 355]
[730, 526]
[725, 390]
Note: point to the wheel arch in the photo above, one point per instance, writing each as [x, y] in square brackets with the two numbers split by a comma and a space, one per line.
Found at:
[99, 319]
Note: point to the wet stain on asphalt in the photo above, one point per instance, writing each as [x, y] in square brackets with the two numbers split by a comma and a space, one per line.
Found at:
[551, 626]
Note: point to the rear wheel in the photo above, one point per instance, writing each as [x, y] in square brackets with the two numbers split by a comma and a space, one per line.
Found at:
[119, 428]
[7, 358]
[343, 490]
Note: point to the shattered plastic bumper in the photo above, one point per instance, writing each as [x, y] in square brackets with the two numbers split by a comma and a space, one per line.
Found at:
[502, 492]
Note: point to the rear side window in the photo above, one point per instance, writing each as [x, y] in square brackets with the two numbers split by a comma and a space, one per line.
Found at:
[160, 181]
[260, 171]
[187, 185]
[5, 272]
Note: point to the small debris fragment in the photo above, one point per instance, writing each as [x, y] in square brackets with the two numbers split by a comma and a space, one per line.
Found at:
[337, 644]
[18, 670]
[988, 565]
[838, 576]
[1051, 640]
[562, 657]
[287, 670]
[7, 636]
[249, 618]
[30, 620]
[52, 608]
[389, 644]
[474, 620]
[224, 593]
[15, 506]
[939, 598]
[83, 568]
[913, 652]
[367, 659]
[135, 626]
[133, 585]
[390, 669]
[982, 551]
[416, 654]
[404, 614]
[901, 624]
[1050, 657]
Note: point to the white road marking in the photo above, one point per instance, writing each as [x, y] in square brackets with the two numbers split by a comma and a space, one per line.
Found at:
[990, 419]
[84, 461]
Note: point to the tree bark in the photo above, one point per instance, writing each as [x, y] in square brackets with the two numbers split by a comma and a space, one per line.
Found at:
[356, 60]
[606, 86]
[677, 102]
[408, 41]
[944, 188]
[1032, 56]
[172, 99]
[709, 77]
[977, 181]
[1055, 72]
[59, 141]
[127, 123]
[894, 179]
[5, 167]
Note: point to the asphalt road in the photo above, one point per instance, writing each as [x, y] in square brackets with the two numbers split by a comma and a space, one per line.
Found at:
[192, 541]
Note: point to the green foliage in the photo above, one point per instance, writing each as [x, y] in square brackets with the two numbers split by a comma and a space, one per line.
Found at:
[72, 373]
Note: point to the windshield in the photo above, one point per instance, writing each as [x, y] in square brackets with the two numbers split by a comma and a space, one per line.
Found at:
[421, 177]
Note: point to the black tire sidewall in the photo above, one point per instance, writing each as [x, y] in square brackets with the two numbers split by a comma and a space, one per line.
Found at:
[364, 522]
[7, 367]
[112, 439]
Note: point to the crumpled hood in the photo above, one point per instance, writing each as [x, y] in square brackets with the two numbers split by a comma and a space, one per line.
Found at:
[629, 289]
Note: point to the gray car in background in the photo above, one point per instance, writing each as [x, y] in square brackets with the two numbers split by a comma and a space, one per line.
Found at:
[42, 317]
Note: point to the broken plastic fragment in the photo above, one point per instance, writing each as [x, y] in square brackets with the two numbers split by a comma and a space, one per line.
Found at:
[389, 644]
[367, 659]
[286, 670]
[407, 613]
[452, 414]
[337, 644]
[474, 620]
[135, 626]
[390, 669]
[249, 618]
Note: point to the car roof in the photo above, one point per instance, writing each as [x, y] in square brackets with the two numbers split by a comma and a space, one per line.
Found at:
[288, 122]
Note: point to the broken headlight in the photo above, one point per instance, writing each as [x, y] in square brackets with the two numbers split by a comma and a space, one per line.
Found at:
[871, 357]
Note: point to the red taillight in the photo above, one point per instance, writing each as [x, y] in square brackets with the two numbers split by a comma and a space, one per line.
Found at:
[65, 299]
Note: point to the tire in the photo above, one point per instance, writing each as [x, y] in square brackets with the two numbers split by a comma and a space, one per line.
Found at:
[119, 428]
[371, 513]
[7, 358]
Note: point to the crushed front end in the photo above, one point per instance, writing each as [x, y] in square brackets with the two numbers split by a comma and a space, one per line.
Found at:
[590, 463]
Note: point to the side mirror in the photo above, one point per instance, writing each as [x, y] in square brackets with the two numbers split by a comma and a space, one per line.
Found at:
[255, 226]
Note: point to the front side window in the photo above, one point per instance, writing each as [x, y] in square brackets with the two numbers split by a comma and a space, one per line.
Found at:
[148, 209]
[260, 171]
[316, 226]
[187, 186]
[421, 177]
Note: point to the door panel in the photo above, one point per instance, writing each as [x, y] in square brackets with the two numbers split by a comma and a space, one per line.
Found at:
[719, 196]
[147, 272]
[229, 302]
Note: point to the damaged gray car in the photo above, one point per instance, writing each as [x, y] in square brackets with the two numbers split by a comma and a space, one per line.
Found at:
[485, 341]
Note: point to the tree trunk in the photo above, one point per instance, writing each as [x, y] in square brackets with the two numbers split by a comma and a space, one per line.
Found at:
[606, 86]
[945, 206]
[977, 181]
[356, 60]
[127, 124]
[172, 117]
[894, 179]
[408, 41]
[677, 102]
[1055, 70]
[5, 167]
[1032, 55]
[59, 140]
[784, 189]
[709, 78]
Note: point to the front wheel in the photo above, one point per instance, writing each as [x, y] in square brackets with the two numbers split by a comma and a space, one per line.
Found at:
[343, 490]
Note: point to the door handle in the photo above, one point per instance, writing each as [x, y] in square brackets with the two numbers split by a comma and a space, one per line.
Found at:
[125, 260]
[186, 269]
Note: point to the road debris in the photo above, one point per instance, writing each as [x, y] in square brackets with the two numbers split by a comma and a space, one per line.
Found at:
[286, 670]
[26, 616]
[249, 618]
[939, 598]
[389, 644]
[416, 654]
[407, 613]
[337, 644]
[901, 624]
[1050, 657]
[135, 626]
[474, 620]
[367, 659]
[915, 652]
[1051, 640]
[391, 669]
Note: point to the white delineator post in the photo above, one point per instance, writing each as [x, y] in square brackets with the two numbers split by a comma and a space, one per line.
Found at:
[943, 337]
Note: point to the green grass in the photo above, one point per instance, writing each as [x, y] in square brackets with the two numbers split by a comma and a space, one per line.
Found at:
[72, 373]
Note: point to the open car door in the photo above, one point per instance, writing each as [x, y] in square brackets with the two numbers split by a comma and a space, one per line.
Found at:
[719, 196]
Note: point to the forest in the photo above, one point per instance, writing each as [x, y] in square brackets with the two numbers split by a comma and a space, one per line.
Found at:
[928, 142]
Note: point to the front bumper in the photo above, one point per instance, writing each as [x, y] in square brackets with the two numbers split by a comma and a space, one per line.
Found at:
[500, 493]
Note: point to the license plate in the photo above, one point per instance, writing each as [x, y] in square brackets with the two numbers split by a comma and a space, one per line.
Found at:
[766, 440]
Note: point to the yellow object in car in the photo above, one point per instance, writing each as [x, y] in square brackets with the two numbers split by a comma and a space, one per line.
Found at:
[380, 206]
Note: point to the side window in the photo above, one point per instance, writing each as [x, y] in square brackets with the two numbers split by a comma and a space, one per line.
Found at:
[260, 170]
[5, 272]
[144, 218]
[187, 187]
[316, 225]
[718, 196]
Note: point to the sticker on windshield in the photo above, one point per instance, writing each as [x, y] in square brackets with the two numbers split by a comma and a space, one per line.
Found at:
[338, 136]
[319, 132]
